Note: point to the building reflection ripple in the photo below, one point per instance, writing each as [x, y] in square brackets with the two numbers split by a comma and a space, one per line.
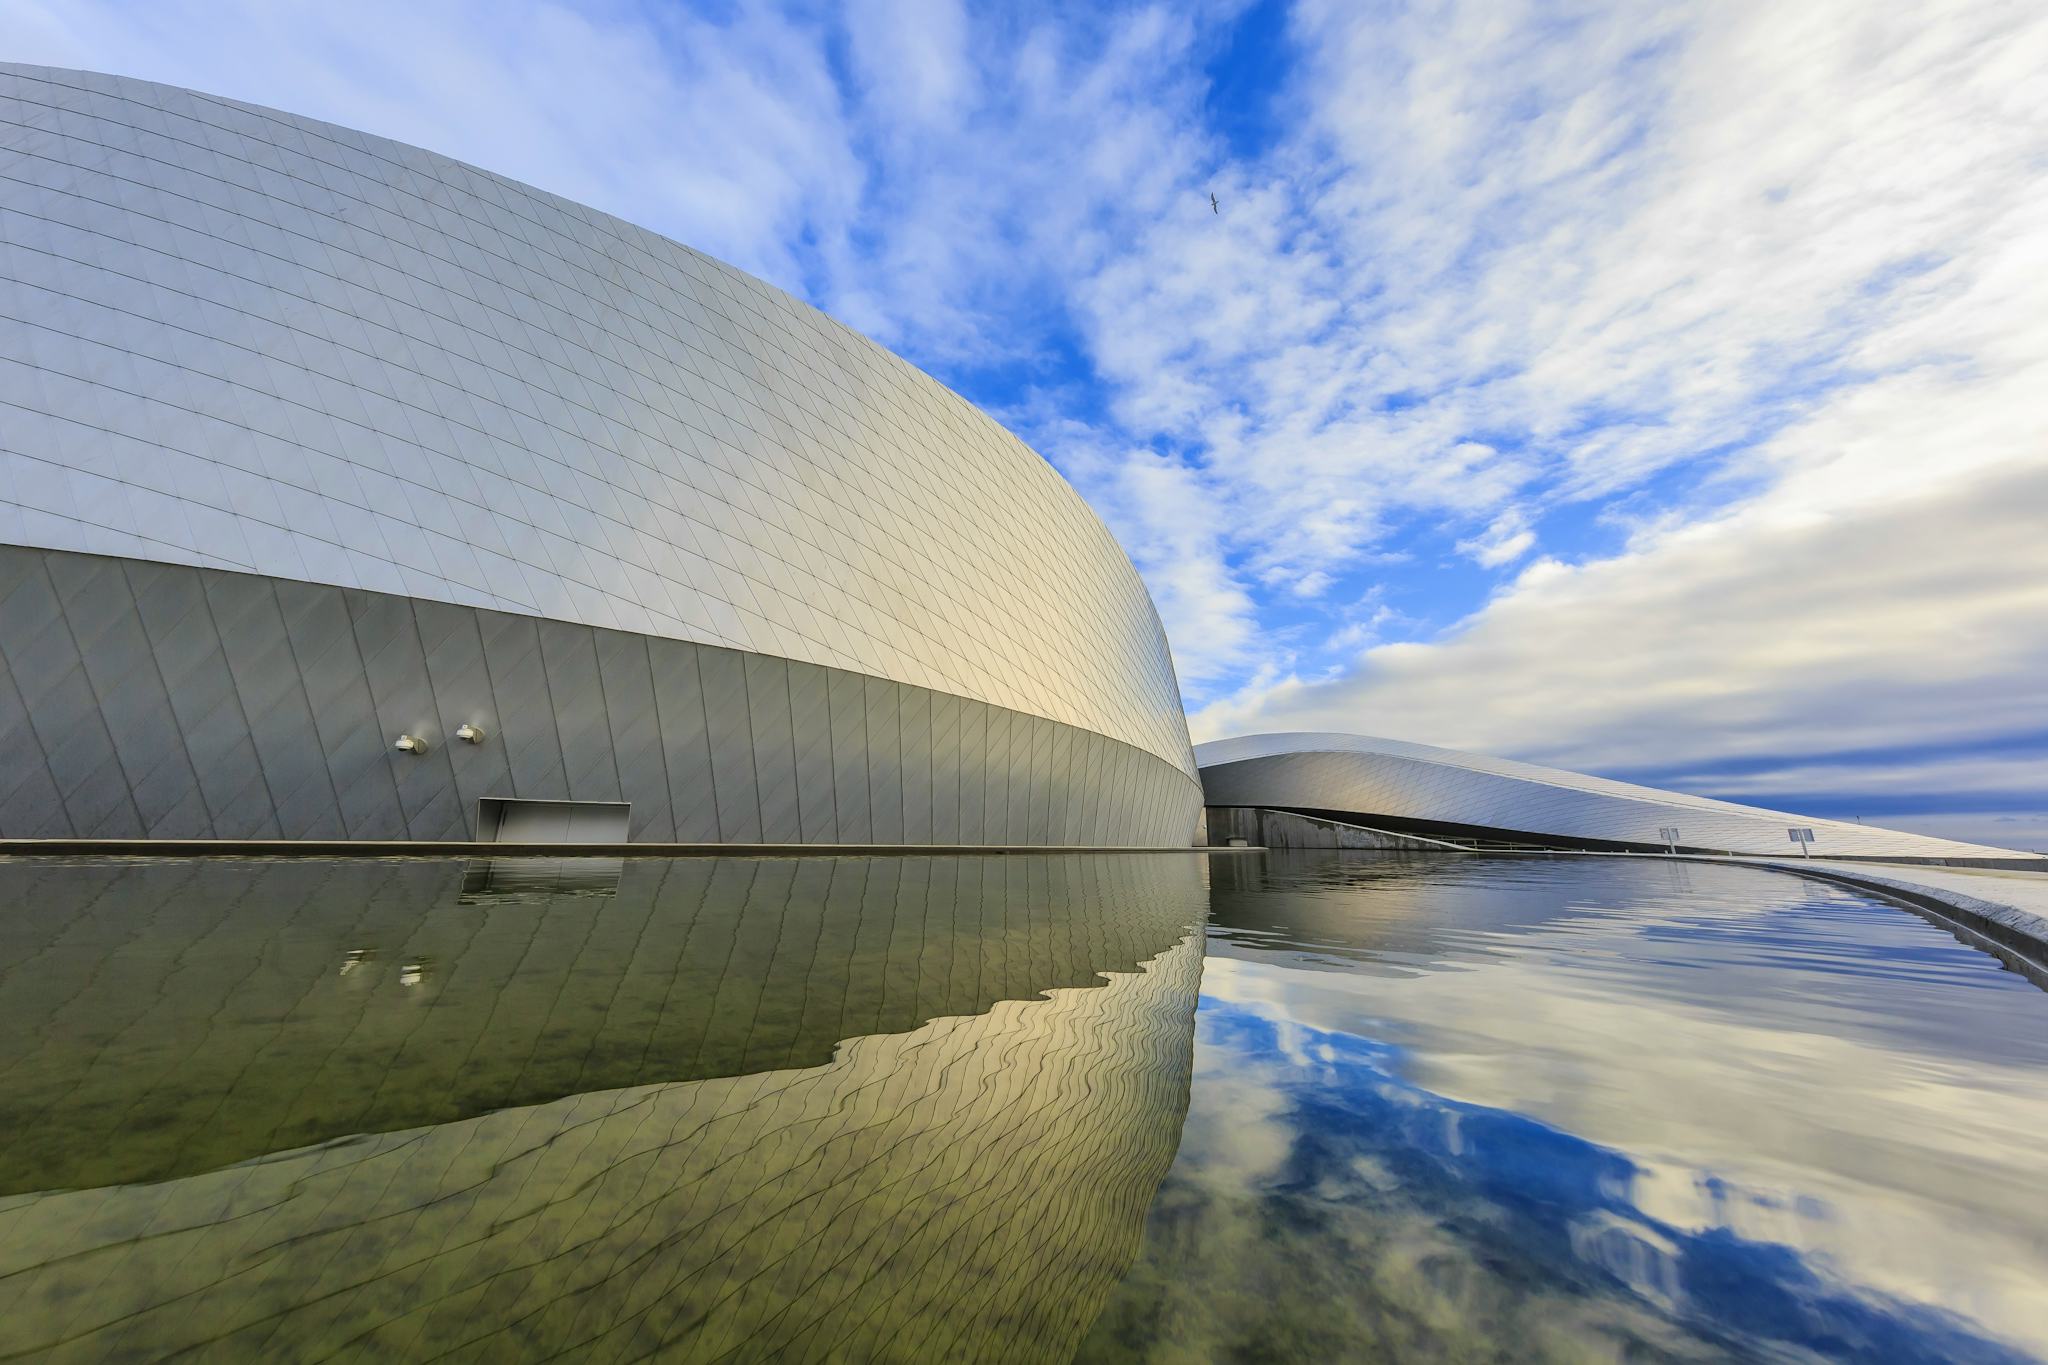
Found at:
[737, 1109]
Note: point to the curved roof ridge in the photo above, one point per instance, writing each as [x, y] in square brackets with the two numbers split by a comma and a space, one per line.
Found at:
[1218, 754]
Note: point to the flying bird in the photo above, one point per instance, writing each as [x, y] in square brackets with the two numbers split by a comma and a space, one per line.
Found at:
[1212, 203]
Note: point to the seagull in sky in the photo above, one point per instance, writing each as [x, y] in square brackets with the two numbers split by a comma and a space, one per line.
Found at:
[1212, 203]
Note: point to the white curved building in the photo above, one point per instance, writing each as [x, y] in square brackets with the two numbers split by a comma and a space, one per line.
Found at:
[310, 440]
[1423, 790]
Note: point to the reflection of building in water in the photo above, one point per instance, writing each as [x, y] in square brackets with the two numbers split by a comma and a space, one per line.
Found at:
[163, 1018]
[1395, 912]
[490, 879]
[968, 1187]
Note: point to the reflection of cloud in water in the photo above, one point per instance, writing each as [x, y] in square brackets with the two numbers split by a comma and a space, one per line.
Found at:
[1324, 1207]
[1699, 935]
[1787, 1062]
[1923, 1178]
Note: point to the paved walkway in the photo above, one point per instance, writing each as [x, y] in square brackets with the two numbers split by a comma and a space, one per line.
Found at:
[2026, 890]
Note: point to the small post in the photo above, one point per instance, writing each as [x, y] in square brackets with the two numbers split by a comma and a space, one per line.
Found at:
[1669, 834]
[1803, 838]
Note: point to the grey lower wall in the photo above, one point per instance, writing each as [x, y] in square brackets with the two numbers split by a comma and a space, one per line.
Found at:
[145, 700]
[1285, 829]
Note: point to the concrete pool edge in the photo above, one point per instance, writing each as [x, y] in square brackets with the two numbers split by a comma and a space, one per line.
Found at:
[458, 848]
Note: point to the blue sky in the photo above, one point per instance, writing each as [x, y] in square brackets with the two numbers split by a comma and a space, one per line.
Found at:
[1647, 390]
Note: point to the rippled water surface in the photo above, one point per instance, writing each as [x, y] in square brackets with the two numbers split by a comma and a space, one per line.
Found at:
[1581, 1109]
[1142, 1107]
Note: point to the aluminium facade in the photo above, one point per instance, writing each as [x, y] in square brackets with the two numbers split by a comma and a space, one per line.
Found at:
[1421, 789]
[310, 440]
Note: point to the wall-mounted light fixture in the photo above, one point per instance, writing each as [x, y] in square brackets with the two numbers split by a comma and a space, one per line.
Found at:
[410, 744]
[469, 734]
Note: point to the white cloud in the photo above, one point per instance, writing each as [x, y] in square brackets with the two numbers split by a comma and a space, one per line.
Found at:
[1807, 237]
[2026, 832]
[1166, 521]
[911, 56]
[728, 136]
[1626, 240]
[1784, 627]
[1503, 542]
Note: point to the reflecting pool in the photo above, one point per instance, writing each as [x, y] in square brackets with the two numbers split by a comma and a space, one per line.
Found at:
[1594, 1109]
[1155, 1107]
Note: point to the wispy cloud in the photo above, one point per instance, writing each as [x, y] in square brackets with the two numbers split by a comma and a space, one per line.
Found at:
[1506, 540]
[728, 132]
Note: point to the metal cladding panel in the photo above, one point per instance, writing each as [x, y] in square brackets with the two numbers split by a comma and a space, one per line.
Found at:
[996, 778]
[519, 688]
[727, 723]
[577, 696]
[974, 737]
[768, 715]
[387, 639]
[350, 741]
[685, 747]
[138, 697]
[273, 702]
[460, 680]
[1393, 779]
[885, 761]
[915, 723]
[945, 768]
[237, 339]
[1023, 733]
[811, 725]
[634, 726]
[846, 699]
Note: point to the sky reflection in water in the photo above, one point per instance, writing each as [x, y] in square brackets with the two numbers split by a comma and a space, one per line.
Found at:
[1572, 1110]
